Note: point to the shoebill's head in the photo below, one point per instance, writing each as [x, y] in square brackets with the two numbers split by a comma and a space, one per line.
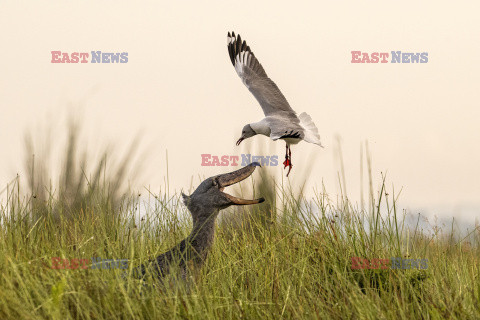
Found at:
[209, 195]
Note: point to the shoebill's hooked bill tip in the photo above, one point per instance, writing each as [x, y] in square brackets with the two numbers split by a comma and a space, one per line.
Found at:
[227, 179]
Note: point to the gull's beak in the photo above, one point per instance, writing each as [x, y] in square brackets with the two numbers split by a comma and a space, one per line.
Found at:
[240, 140]
[227, 179]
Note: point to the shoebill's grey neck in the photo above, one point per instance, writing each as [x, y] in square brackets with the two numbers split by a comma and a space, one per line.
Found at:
[195, 247]
[201, 237]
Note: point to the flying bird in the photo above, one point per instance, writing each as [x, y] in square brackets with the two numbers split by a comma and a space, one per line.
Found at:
[281, 121]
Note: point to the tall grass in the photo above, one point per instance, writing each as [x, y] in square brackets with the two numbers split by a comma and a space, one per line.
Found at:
[79, 185]
[289, 258]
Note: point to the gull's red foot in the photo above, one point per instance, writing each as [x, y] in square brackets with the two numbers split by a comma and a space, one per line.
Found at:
[288, 157]
[287, 163]
[290, 168]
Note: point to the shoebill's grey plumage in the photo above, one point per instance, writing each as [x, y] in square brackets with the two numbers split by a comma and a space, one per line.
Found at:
[204, 205]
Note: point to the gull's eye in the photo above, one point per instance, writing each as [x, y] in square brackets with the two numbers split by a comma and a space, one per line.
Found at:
[243, 131]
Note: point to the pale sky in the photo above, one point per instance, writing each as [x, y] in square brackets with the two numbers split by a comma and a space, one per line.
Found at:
[181, 92]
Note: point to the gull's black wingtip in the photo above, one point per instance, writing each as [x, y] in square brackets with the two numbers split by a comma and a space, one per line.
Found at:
[231, 49]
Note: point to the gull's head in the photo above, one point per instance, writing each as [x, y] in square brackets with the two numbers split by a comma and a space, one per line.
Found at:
[247, 132]
[209, 194]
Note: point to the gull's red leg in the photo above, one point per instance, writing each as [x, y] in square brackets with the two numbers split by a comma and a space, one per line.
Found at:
[287, 160]
[290, 165]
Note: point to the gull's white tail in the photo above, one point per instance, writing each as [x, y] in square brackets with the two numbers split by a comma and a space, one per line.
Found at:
[311, 131]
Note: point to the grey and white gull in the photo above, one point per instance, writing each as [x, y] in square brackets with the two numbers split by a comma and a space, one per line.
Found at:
[281, 121]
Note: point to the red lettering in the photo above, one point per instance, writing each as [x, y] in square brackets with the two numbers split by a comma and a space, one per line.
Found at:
[365, 264]
[55, 261]
[215, 161]
[84, 263]
[84, 56]
[355, 55]
[224, 161]
[55, 58]
[384, 56]
[365, 58]
[384, 263]
[75, 57]
[66, 57]
[234, 160]
[205, 160]
[73, 264]
[374, 263]
[355, 264]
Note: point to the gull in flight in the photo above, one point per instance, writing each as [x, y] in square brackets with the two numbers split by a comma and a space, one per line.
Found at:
[281, 121]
